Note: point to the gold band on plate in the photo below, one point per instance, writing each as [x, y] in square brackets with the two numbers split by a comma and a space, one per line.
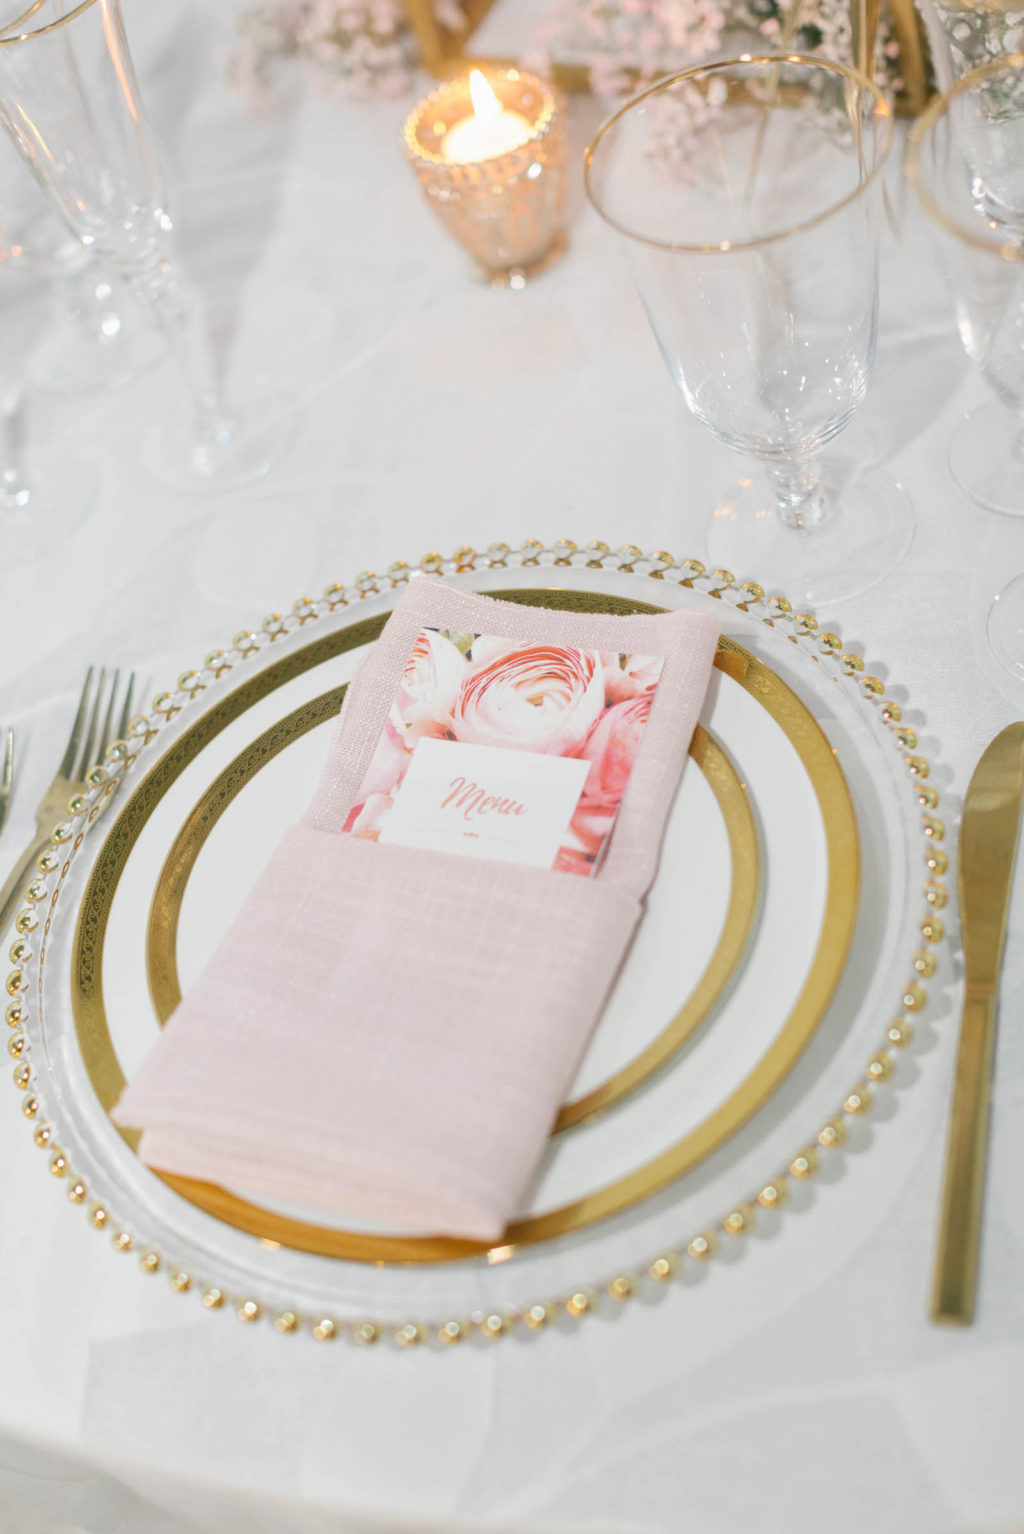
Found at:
[840, 830]
[172, 881]
[744, 897]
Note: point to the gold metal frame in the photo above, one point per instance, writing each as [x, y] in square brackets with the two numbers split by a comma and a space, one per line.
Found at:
[842, 896]
[446, 53]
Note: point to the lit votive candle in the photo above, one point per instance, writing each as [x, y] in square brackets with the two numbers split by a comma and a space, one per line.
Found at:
[491, 129]
[490, 155]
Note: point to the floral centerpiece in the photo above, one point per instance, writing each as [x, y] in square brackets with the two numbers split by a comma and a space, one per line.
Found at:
[362, 46]
[629, 43]
[368, 47]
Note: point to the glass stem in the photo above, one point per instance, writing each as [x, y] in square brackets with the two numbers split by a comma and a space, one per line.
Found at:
[69, 269]
[173, 306]
[15, 492]
[799, 500]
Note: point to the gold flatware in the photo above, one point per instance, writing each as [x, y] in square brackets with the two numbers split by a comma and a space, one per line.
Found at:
[91, 734]
[6, 778]
[988, 846]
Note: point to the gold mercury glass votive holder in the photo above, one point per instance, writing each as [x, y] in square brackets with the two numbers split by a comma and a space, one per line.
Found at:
[508, 210]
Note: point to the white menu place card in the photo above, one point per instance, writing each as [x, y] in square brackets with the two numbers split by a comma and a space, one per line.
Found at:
[485, 802]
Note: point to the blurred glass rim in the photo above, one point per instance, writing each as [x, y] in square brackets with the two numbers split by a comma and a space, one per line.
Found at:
[937, 109]
[882, 112]
[6, 41]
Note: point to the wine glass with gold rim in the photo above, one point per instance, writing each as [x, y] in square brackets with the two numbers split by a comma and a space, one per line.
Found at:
[965, 160]
[747, 193]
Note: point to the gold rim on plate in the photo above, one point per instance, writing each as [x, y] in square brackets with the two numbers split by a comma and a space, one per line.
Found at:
[103, 1068]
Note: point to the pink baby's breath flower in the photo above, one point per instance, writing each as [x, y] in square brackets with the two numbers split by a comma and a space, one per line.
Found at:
[363, 46]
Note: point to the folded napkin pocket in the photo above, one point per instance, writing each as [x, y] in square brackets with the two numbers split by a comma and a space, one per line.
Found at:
[388, 1030]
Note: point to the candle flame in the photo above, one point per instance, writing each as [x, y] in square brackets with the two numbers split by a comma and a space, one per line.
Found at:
[486, 106]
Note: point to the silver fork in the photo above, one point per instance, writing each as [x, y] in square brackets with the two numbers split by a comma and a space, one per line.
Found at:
[93, 731]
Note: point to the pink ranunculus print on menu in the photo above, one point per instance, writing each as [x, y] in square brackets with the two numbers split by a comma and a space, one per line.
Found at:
[488, 647]
[611, 748]
[422, 706]
[533, 697]
[627, 676]
[482, 690]
[429, 687]
[366, 818]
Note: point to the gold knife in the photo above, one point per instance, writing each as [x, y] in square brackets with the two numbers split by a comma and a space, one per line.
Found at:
[988, 846]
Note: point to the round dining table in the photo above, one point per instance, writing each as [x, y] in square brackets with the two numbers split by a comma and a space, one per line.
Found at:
[800, 1389]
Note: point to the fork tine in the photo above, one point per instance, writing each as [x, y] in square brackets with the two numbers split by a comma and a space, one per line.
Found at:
[108, 718]
[87, 757]
[126, 712]
[67, 766]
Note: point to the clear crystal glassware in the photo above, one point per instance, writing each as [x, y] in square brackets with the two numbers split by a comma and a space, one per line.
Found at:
[748, 193]
[964, 34]
[97, 338]
[70, 103]
[965, 160]
[44, 495]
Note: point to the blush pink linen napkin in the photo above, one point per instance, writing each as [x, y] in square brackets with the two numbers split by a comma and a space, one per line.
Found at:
[389, 1032]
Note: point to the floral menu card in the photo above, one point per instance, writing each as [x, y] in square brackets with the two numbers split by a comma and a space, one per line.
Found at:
[498, 748]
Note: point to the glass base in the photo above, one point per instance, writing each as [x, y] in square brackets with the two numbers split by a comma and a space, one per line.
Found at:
[242, 454]
[867, 528]
[54, 500]
[281, 349]
[65, 362]
[986, 459]
[516, 277]
[1005, 628]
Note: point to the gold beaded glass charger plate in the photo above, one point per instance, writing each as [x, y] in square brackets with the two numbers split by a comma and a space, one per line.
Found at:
[782, 944]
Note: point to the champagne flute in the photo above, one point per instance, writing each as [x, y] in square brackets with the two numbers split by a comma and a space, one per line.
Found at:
[965, 160]
[70, 103]
[43, 498]
[97, 338]
[747, 193]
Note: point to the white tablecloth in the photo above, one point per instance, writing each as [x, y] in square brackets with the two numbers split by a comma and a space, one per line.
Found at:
[798, 1390]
